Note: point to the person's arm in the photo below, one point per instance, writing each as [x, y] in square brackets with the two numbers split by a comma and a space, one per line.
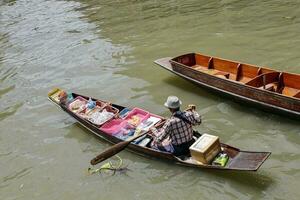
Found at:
[163, 132]
[194, 117]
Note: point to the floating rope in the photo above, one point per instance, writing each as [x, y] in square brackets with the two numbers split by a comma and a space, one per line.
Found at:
[109, 166]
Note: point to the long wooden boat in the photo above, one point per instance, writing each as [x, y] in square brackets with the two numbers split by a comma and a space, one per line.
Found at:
[273, 90]
[238, 159]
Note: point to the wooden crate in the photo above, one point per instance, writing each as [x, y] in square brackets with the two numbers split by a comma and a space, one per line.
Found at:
[205, 148]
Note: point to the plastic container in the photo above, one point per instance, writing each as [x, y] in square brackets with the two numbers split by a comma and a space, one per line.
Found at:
[99, 117]
[110, 108]
[114, 126]
[148, 123]
[124, 112]
[145, 142]
[221, 160]
[53, 94]
[90, 113]
[101, 104]
[136, 116]
[76, 105]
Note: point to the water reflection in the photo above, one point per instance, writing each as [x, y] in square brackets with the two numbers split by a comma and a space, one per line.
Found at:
[198, 182]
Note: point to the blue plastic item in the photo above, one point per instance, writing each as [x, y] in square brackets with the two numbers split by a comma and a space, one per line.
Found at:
[70, 97]
[91, 104]
[124, 112]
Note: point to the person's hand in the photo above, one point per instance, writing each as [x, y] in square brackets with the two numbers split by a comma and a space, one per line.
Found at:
[152, 131]
[156, 140]
[191, 107]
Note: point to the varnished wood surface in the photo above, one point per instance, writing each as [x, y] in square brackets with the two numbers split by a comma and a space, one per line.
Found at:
[259, 85]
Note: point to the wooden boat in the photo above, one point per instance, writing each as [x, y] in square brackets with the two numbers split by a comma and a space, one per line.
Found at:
[270, 89]
[238, 159]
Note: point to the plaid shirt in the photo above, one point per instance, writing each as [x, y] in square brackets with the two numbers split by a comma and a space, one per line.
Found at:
[178, 130]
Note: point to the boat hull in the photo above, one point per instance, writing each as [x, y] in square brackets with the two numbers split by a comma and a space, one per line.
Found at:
[263, 98]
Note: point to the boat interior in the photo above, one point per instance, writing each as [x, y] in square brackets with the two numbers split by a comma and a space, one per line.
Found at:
[287, 84]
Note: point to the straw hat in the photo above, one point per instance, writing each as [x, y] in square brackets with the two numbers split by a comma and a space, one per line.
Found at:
[173, 102]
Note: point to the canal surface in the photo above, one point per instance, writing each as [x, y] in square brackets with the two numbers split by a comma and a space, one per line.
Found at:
[106, 49]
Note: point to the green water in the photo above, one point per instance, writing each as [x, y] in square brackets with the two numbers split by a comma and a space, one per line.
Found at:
[106, 49]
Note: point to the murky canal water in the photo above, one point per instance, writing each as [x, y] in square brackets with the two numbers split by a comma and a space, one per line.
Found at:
[106, 49]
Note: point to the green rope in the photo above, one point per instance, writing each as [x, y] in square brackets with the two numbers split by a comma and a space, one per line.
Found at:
[107, 166]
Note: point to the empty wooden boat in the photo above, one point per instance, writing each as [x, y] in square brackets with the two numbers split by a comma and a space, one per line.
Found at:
[275, 90]
[238, 159]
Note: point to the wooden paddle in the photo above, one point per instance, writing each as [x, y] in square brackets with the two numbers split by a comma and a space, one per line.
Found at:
[114, 150]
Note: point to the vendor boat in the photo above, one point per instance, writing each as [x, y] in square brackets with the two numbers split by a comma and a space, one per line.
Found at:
[272, 90]
[238, 159]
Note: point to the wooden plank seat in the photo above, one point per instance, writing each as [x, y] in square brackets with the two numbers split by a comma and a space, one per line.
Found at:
[217, 67]
[244, 79]
[204, 69]
[267, 81]
[289, 85]
[297, 95]
[288, 91]
[222, 74]
[270, 87]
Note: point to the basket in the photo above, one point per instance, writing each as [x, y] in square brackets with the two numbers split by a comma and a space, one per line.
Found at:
[99, 109]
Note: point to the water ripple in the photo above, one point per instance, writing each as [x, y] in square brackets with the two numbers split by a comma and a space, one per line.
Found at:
[6, 90]
[17, 174]
[6, 112]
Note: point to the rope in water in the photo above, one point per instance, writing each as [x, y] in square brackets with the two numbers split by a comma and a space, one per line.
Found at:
[107, 166]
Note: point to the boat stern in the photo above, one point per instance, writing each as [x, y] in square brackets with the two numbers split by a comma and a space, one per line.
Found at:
[250, 161]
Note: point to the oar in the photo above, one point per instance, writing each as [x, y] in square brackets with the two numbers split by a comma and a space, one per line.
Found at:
[114, 150]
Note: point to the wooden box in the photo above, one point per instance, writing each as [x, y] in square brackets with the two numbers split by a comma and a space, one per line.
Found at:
[205, 148]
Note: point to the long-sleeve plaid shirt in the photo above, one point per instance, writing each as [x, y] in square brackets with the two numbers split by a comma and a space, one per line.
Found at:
[179, 130]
